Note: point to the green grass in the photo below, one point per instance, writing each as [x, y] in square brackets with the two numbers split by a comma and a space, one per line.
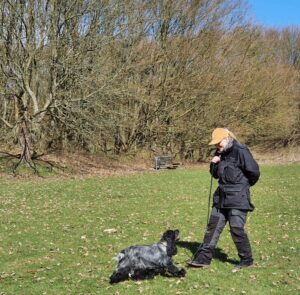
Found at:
[53, 238]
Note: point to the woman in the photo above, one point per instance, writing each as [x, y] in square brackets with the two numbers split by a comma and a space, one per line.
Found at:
[236, 170]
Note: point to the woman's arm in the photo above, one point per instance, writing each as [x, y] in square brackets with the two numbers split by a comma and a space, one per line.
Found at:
[249, 166]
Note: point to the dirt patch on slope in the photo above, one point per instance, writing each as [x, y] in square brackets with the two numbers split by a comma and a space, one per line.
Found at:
[81, 165]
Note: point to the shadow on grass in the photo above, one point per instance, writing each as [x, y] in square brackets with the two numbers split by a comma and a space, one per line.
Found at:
[193, 247]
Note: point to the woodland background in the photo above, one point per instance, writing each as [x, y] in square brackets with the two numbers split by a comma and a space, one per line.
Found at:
[129, 77]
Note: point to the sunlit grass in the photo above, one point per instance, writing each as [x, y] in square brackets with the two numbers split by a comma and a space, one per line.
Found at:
[55, 237]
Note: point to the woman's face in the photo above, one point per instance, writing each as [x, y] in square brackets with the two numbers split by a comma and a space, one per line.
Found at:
[221, 145]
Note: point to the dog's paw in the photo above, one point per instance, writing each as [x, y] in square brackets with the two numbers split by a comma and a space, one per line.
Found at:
[182, 272]
[112, 281]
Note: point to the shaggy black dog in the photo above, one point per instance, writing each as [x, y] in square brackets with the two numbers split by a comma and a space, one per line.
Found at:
[144, 262]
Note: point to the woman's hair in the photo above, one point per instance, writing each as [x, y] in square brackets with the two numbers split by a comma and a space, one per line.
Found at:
[231, 134]
[231, 138]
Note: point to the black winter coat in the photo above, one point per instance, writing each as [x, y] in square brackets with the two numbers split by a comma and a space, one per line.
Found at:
[236, 171]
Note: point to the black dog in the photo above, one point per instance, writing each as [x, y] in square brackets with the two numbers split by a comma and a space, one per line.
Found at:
[144, 262]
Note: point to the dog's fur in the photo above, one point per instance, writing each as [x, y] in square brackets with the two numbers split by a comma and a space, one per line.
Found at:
[144, 262]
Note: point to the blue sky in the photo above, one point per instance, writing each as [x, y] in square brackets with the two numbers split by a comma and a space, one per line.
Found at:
[275, 13]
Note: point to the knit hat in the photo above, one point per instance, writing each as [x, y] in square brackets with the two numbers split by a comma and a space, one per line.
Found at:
[219, 134]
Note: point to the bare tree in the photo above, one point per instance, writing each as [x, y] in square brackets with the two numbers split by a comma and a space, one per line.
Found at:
[124, 76]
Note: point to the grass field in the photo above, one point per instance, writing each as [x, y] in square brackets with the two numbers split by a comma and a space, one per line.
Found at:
[54, 238]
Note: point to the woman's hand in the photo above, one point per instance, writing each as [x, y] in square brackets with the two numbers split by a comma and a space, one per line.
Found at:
[216, 159]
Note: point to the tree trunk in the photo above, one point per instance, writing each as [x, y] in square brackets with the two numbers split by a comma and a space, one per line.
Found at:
[25, 142]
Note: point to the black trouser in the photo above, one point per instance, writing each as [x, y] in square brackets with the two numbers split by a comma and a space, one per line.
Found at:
[217, 222]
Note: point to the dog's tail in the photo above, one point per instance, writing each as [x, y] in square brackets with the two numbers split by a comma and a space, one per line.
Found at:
[119, 257]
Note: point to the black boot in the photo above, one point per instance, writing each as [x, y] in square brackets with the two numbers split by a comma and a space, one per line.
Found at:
[244, 263]
[202, 258]
[198, 262]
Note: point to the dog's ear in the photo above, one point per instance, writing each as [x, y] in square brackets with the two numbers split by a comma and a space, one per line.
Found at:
[170, 237]
[171, 248]
[167, 235]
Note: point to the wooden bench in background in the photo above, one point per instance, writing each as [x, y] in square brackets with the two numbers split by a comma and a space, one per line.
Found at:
[165, 162]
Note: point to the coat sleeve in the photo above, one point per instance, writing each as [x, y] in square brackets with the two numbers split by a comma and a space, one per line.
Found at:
[213, 169]
[249, 166]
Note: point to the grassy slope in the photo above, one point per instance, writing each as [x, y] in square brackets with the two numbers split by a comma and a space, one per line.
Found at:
[53, 239]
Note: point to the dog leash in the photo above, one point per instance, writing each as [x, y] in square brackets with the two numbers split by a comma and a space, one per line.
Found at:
[208, 213]
[209, 200]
